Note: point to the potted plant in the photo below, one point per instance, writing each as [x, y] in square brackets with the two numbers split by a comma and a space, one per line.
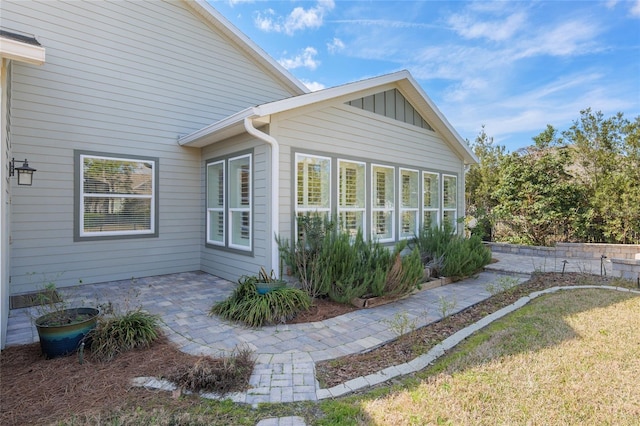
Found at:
[268, 282]
[62, 329]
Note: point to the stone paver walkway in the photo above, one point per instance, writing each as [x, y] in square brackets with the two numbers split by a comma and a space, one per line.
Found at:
[286, 354]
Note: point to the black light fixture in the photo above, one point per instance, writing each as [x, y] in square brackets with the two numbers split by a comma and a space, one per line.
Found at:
[25, 173]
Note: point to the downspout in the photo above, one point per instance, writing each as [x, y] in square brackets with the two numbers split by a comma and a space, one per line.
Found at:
[275, 187]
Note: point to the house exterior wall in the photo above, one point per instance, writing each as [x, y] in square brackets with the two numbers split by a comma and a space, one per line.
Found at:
[346, 132]
[4, 200]
[125, 78]
[232, 264]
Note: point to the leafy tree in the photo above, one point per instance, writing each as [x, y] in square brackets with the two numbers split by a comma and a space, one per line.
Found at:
[538, 199]
[481, 181]
[607, 163]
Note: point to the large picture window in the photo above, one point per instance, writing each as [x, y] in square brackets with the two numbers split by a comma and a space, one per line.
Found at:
[229, 202]
[383, 208]
[430, 199]
[409, 202]
[351, 196]
[117, 196]
[449, 199]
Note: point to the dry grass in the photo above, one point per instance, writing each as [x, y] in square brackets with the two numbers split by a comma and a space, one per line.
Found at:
[567, 358]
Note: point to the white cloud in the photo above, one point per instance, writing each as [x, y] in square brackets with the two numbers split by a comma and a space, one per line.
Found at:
[470, 27]
[305, 59]
[635, 9]
[569, 38]
[314, 86]
[299, 18]
[335, 45]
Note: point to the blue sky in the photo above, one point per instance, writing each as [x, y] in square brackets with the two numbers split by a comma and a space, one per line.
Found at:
[511, 66]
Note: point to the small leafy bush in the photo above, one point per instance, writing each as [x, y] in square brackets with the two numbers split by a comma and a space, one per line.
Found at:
[457, 256]
[221, 375]
[249, 307]
[119, 333]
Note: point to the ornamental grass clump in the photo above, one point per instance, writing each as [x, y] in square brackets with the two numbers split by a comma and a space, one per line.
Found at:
[249, 307]
[118, 333]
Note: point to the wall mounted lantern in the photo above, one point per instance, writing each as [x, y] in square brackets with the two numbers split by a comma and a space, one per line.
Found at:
[25, 173]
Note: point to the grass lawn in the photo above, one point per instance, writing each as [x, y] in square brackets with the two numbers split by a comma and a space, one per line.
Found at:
[566, 358]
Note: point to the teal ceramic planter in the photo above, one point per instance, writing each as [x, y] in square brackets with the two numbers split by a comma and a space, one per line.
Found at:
[58, 338]
[264, 288]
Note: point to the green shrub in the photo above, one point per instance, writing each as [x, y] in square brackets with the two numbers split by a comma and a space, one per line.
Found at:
[122, 332]
[249, 307]
[304, 257]
[335, 264]
[457, 256]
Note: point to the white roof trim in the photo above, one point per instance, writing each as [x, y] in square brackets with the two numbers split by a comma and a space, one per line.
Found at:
[226, 27]
[20, 51]
[402, 79]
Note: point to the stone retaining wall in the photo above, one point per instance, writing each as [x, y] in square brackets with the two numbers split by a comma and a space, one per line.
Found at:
[572, 250]
[625, 258]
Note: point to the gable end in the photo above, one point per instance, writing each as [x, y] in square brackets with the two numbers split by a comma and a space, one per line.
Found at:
[391, 104]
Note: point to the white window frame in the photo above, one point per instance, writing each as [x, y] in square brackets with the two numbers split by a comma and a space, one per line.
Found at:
[342, 208]
[430, 208]
[415, 209]
[222, 209]
[388, 209]
[306, 208]
[228, 209]
[152, 230]
[453, 209]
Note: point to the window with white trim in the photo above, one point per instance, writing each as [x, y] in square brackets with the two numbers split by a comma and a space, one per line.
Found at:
[450, 199]
[383, 203]
[351, 196]
[313, 185]
[216, 203]
[117, 196]
[409, 202]
[430, 199]
[230, 203]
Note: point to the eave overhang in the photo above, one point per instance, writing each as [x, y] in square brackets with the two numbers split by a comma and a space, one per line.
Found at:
[261, 114]
[21, 48]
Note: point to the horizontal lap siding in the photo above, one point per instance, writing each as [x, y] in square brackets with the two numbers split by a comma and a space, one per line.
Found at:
[232, 265]
[126, 78]
[353, 133]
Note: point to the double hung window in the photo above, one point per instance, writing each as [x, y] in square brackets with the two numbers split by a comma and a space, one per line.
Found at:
[449, 199]
[409, 202]
[229, 202]
[351, 196]
[313, 185]
[117, 196]
[383, 208]
[430, 199]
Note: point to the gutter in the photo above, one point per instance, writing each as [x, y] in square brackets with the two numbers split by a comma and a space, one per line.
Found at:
[275, 186]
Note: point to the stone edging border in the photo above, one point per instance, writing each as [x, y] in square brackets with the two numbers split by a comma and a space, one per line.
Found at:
[437, 351]
[389, 373]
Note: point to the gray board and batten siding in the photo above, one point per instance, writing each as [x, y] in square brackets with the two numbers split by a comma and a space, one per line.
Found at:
[126, 78]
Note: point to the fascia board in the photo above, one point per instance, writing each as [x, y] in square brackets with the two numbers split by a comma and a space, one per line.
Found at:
[252, 49]
[22, 52]
[225, 128]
